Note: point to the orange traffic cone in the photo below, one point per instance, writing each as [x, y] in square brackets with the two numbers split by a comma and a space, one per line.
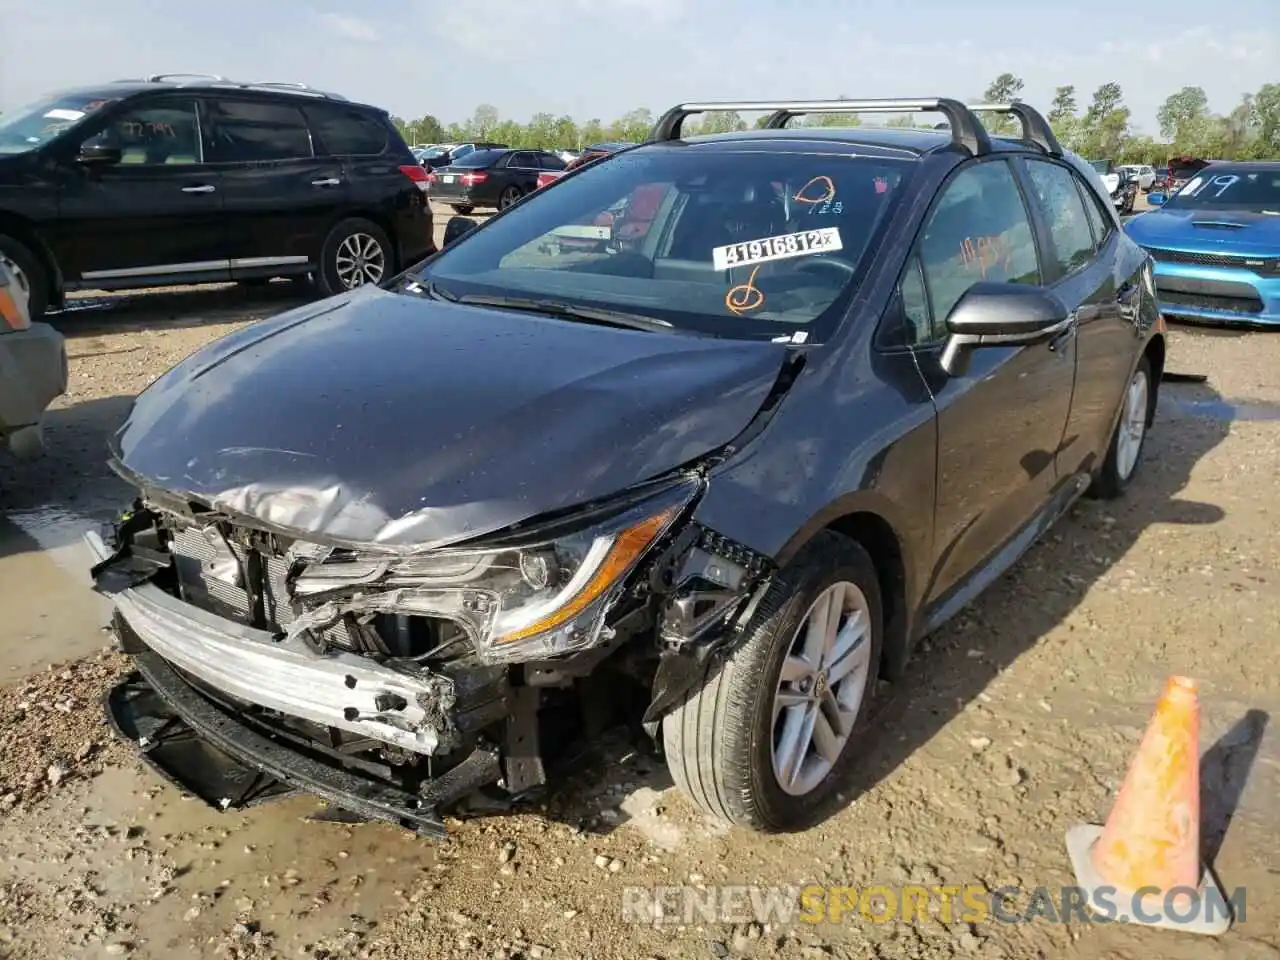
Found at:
[1143, 867]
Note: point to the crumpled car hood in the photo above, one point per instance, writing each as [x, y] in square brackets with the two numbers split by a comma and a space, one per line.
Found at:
[404, 423]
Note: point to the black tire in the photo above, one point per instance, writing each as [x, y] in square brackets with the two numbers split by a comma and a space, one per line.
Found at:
[719, 741]
[509, 197]
[37, 277]
[462, 209]
[329, 280]
[1116, 472]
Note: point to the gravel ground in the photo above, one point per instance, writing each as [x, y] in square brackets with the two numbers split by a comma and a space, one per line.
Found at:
[1016, 722]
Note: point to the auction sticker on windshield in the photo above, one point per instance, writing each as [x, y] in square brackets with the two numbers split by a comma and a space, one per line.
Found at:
[822, 240]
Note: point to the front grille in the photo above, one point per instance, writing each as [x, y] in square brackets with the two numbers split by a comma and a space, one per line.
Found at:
[1234, 261]
[1170, 301]
[211, 573]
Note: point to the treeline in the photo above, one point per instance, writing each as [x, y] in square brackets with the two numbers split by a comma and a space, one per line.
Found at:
[1102, 129]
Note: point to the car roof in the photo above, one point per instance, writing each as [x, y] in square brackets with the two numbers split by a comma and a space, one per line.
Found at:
[119, 89]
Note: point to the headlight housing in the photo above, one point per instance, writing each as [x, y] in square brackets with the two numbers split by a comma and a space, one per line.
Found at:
[523, 597]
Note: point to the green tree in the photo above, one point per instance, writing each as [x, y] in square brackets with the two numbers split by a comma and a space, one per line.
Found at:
[722, 121]
[1266, 121]
[1062, 117]
[633, 126]
[1005, 88]
[1184, 116]
[483, 122]
[1105, 123]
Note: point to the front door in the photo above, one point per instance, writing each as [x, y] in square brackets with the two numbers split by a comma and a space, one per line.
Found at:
[157, 213]
[999, 424]
[281, 200]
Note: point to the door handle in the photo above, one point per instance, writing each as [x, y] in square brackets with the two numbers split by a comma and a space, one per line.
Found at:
[203, 188]
[327, 182]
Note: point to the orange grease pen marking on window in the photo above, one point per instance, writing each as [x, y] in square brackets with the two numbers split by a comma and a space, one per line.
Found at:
[825, 184]
[984, 252]
[745, 297]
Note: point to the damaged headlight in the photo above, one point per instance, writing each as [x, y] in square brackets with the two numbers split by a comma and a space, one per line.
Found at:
[523, 597]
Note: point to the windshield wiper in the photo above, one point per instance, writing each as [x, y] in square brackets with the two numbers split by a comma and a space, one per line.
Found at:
[570, 311]
[427, 288]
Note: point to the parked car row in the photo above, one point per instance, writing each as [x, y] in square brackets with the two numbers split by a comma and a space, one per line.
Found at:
[573, 479]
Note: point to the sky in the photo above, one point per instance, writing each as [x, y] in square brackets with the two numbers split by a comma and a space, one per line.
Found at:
[601, 58]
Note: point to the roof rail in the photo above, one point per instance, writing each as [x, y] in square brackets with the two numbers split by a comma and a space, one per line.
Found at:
[164, 77]
[279, 83]
[1035, 128]
[966, 129]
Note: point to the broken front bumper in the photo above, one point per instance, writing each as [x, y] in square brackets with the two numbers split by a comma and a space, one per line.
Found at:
[207, 748]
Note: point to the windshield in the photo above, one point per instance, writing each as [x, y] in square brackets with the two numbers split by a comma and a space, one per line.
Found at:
[1242, 189]
[737, 241]
[36, 124]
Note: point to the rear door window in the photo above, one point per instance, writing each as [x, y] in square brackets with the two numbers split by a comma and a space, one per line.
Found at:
[1059, 198]
[344, 131]
[246, 131]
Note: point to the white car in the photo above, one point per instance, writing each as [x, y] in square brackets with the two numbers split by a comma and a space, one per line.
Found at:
[1143, 172]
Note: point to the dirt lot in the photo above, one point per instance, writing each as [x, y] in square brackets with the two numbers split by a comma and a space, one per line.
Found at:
[1016, 722]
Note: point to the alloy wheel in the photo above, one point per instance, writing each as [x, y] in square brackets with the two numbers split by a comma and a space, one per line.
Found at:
[820, 688]
[360, 260]
[1133, 425]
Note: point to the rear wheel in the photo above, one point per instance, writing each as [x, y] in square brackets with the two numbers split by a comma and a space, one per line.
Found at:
[1125, 453]
[29, 275]
[768, 738]
[508, 197]
[356, 252]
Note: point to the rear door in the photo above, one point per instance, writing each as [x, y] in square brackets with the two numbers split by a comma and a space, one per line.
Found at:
[1000, 423]
[156, 214]
[280, 197]
[1083, 264]
[522, 170]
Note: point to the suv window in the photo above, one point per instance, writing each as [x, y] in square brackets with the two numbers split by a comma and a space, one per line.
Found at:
[979, 230]
[736, 243]
[249, 130]
[154, 134]
[346, 132]
[1059, 198]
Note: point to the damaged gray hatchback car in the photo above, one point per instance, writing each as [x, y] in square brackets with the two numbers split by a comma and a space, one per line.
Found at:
[725, 422]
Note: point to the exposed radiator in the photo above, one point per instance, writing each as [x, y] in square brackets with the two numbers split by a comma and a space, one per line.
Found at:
[211, 574]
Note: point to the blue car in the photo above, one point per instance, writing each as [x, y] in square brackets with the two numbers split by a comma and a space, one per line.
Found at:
[1216, 245]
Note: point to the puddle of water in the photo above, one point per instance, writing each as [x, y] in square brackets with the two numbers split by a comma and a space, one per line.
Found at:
[1226, 410]
[60, 533]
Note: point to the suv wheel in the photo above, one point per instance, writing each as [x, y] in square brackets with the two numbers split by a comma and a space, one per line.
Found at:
[355, 253]
[768, 738]
[28, 275]
[508, 197]
[1125, 452]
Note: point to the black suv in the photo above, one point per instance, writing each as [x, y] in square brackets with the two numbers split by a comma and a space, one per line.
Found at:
[178, 179]
[393, 548]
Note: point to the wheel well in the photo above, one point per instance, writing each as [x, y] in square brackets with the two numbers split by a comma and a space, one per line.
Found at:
[24, 233]
[876, 536]
[1155, 354]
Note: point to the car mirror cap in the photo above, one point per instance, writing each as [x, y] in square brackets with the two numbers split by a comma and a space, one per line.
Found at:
[993, 314]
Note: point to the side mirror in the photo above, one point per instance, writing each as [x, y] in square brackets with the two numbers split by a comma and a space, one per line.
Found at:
[98, 156]
[1000, 315]
[456, 228]
[1157, 199]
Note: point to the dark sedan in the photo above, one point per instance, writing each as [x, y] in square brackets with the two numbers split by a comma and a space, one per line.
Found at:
[491, 178]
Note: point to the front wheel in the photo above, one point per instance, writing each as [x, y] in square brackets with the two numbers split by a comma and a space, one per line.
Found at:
[356, 252]
[1125, 452]
[768, 738]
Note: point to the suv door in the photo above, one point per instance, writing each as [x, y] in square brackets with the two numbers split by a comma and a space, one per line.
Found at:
[1086, 255]
[1000, 423]
[280, 199]
[156, 213]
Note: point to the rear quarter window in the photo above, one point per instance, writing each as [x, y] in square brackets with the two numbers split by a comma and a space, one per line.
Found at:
[346, 132]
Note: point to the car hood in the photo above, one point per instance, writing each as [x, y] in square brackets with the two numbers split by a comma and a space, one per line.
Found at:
[1206, 230]
[402, 423]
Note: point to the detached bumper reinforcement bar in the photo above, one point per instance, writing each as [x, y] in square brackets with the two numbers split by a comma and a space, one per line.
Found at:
[244, 755]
